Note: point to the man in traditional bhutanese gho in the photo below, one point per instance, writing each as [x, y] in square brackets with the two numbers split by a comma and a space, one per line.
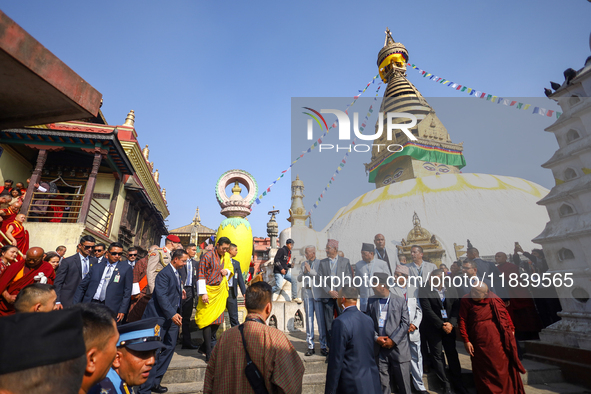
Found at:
[212, 287]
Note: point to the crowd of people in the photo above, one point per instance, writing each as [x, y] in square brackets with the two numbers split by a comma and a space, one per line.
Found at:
[410, 317]
[124, 311]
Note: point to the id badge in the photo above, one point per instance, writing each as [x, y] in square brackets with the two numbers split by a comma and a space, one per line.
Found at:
[382, 319]
[116, 280]
[444, 314]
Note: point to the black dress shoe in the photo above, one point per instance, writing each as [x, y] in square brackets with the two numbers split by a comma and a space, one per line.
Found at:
[310, 352]
[324, 352]
[159, 389]
[190, 346]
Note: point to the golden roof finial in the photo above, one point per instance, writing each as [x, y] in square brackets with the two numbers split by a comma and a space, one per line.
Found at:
[197, 218]
[389, 38]
[236, 189]
[130, 120]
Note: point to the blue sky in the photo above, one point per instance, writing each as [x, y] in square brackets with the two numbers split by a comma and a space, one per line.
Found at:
[211, 82]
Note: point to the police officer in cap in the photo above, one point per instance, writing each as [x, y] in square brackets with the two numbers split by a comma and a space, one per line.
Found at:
[136, 355]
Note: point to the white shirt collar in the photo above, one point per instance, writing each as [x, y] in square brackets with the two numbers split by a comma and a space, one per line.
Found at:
[82, 258]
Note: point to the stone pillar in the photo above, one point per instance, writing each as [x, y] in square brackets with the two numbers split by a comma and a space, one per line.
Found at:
[35, 178]
[90, 186]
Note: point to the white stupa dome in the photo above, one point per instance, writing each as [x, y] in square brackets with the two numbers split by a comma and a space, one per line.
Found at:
[492, 211]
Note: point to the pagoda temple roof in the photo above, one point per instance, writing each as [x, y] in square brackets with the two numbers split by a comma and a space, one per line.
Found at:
[201, 229]
[76, 135]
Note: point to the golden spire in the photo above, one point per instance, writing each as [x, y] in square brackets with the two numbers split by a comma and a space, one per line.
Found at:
[164, 193]
[146, 152]
[156, 175]
[130, 120]
[197, 218]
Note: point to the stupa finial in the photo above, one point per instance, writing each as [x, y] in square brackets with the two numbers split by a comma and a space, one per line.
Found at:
[130, 120]
[388, 40]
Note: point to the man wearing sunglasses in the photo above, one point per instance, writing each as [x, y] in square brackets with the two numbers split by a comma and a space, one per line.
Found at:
[132, 256]
[108, 283]
[99, 252]
[72, 270]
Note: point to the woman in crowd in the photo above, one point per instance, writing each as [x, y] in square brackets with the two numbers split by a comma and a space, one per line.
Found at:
[8, 255]
[53, 259]
[16, 196]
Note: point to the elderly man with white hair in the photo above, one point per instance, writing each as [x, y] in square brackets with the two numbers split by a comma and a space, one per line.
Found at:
[312, 302]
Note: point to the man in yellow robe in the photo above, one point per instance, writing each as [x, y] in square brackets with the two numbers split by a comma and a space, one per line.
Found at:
[212, 286]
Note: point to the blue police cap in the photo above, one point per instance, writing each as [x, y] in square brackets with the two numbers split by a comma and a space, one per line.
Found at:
[141, 335]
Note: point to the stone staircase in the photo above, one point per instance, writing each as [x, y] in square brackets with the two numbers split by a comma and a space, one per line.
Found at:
[187, 372]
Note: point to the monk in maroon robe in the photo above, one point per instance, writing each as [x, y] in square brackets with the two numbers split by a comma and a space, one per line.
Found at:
[15, 231]
[8, 215]
[521, 305]
[23, 273]
[488, 334]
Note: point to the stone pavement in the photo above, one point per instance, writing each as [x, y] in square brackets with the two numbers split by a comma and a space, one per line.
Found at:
[187, 371]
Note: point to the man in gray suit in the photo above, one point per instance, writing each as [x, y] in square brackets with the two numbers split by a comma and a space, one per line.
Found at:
[334, 271]
[312, 302]
[415, 314]
[391, 323]
[418, 267]
[367, 267]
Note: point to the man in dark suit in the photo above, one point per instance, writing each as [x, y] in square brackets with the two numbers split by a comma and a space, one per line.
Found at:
[351, 364]
[234, 281]
[72, 270]
[331, 272]
[188, 275]
[441, 308]
[166, 303]
[391, 322]
[99, 252]
[108, 283]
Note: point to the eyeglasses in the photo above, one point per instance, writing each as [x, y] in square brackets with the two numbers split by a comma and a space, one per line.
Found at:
[115, 253]
[87, 247]
[132, 255]
[98, 250]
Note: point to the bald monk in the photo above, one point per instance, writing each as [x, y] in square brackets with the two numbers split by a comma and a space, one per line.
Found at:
[488, 334]
[7, 215]
[15, 231]
[21, 274]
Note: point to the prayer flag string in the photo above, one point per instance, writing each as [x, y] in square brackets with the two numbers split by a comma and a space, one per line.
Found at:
[315, 144]
[489, 97]
[344, 160]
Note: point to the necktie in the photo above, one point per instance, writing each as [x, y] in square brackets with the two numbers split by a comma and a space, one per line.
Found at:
[178, 280]
[106, 282]
[189, 273]
[84, 267]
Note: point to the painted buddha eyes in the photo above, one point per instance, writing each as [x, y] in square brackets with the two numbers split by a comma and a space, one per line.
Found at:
[443, 169]
[429, 166]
